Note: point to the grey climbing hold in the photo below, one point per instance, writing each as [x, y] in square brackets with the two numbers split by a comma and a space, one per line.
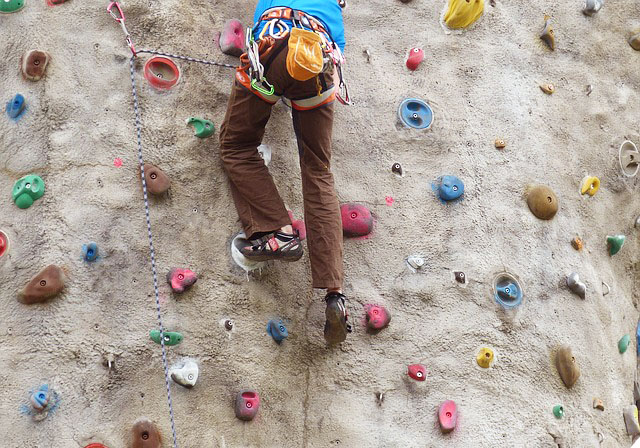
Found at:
[629, 158]
[185, 374]
[592, 6]
[608, 289]
[576, 286]
[637, 223]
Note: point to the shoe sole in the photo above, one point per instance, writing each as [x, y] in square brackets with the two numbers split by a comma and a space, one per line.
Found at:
[287, 258]
[337, 330]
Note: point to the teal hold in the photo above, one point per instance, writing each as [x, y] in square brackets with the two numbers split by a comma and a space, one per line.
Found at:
[9, 6]
[27, 190]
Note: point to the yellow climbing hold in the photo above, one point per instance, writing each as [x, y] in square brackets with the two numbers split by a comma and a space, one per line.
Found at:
[462, 13]
[590, 185]
[485, 357]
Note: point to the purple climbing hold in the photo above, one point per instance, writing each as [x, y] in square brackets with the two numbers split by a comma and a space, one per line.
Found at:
[232, 38]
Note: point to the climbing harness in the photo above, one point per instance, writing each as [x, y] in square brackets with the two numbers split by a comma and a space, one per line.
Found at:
[116, 12]
[277, 28]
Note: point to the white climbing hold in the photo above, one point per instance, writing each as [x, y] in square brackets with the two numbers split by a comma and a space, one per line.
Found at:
[265, 153]
[576, 286]
[185, 374]
[592, 6]
[608, 289]
[416, 262]
[239, 241]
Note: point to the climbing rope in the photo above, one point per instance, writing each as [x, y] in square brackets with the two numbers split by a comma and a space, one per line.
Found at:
[116, 12]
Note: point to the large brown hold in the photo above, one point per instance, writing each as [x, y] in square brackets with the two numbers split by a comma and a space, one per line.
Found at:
[157, 181]
[145, 435]
[567, 366]
[542, 202]
[48, 283]
[33, 64]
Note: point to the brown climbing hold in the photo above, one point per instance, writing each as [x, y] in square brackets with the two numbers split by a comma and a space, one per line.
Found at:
[577, 243]
[145, 435]
[157, 181]
[634, 41]
[542, 202]
[33, 64]
[500, 143]
[547, 34]
[567, 366]
[48, 283]
[598, 404]
[548, 88]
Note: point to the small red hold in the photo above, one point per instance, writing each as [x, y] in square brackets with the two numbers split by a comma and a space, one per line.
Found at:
[448, 416]
[117, 162]
[298, 226]
[181, 279]
[54, 3]
[247, 404]
[416, 55]
[417, 371]
[356, 220]
[232, 38]
[377, 318]
[95, 445]
[4, 243]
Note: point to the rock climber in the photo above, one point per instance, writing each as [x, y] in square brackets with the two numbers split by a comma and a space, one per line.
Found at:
[294, 51]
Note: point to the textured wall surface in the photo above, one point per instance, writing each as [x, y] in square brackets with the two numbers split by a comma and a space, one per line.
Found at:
[482, 84]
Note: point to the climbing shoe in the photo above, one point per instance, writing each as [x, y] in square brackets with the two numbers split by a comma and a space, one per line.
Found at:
[336, 327]
[274, 246]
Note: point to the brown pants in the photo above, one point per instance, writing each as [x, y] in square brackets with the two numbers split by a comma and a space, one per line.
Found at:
[256, 197]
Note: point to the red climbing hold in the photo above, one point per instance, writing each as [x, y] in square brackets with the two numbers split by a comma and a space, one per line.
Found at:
[4, 243]
[448, 416]
[377, 317]
[418, 372]
[181, 279]
[298, 226]
[95, 445]
[232, 38]
[247, 404]
[162, 73]
[356, 220]
[416, 55]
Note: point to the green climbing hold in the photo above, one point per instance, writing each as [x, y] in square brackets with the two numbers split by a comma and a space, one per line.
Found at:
[9, 6]
[170, 337]
[204, 128]
[615, 243]
[27, 189]
[623, 343]
[558, 411]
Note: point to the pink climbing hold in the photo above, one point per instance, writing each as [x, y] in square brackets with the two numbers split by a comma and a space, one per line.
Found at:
[298, 226]
[181, 279]
[389, 200]
[416, 55]
[247, 404]
[232, 38]
[356, 220]
[417, 371]
[377, 317]
[448, 416]
[117, 162]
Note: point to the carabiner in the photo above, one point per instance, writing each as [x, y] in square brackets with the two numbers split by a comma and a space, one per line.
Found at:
[110, 11]
[254, 84]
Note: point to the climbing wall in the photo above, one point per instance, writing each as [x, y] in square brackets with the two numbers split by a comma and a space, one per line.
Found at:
[90, 345]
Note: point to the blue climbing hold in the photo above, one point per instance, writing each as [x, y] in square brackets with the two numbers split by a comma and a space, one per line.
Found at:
[415, 113]
[90, 251]
[507, 290]
[40, 398]
[277, 330]
[16, 106]
[449, 188]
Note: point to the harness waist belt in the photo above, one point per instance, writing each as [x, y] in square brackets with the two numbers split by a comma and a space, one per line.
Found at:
[293, 14]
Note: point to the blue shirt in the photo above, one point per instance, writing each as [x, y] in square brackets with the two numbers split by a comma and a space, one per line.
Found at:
[326, 11]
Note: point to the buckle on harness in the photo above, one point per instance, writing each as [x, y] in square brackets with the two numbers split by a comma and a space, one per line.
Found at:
[300, 17]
